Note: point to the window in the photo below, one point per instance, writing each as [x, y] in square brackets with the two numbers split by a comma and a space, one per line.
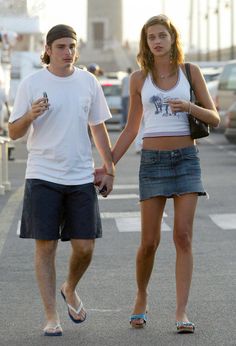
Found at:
[111, 90]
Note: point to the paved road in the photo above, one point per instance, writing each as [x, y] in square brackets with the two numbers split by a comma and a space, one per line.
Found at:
[108, 288]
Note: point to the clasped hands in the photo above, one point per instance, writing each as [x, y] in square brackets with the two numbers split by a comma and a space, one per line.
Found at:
[103, 181]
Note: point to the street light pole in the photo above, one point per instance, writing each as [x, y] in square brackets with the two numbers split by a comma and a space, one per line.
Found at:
[190, 46]
[163, 6]
[198, 30]
[218, 31]
[208, 31]
[232, 29]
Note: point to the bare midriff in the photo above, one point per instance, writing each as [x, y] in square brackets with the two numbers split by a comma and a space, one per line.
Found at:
[167, 143]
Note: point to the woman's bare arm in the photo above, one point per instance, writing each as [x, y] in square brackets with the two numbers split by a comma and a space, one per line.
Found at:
[130, 131]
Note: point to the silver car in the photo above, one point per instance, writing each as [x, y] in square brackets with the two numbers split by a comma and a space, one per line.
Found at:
[226, 94]
[230, 123]
[112, 92]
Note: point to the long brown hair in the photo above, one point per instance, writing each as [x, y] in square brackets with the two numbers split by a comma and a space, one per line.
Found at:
[45, 58]
[145, 57]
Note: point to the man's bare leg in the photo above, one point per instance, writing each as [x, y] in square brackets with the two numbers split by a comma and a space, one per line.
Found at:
[82, 251]
[45, 253]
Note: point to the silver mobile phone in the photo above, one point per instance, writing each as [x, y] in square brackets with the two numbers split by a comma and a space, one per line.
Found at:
[103, 190]
[46, 97]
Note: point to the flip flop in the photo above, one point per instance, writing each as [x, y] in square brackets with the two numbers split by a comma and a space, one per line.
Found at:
[138, 317]
[74, 310]
[185, 327]
[55, 330]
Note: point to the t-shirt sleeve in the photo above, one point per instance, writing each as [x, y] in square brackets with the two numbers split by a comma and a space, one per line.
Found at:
[99, 111]
[22, 102]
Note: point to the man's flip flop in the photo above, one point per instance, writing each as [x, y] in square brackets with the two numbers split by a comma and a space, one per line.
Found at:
[138, 317]
[185, 327]
[53, 331]
[74, 310]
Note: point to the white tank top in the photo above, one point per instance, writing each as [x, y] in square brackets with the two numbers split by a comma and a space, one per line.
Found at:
[158, 118]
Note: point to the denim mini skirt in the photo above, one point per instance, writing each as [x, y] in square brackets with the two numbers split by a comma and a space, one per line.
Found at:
[170, 173]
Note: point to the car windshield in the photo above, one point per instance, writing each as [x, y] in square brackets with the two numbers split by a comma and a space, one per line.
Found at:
[111, 89]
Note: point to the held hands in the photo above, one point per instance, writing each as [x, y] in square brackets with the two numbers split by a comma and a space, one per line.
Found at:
[104, 181]
[179, 106]
[38, 108]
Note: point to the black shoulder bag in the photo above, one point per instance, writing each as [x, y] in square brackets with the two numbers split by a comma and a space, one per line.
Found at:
[198, 128]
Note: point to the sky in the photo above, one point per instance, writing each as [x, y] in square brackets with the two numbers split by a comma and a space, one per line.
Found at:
[131, 28]
[135, 14]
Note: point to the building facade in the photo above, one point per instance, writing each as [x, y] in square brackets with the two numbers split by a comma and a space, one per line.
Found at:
[104, 24]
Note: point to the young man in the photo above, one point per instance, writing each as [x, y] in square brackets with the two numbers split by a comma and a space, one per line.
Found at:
[56, 105]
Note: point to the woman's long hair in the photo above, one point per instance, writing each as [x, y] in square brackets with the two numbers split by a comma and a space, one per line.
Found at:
[145, 57]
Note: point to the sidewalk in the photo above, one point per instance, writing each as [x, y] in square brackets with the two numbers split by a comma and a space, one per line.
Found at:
[108, 288]
[11, 201]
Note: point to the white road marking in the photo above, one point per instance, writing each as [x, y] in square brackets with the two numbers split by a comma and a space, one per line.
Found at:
[122, 214]
[20, 161]
[18, 227]
[224, 221]
[132, 224]
[232, 153]
[125, 186]
[209, 140]
[104, 310]
[8, 213]
[119, 196]
[221, 147]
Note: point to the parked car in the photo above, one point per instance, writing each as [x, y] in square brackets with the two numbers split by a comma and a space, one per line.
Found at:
[115, 75]
[226, 93]
[211, 73]
[230, 123]
[112, 92]
[213, 90]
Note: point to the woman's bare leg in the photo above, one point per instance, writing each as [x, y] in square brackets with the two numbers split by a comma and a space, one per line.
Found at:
[185, 207]
[151, 218]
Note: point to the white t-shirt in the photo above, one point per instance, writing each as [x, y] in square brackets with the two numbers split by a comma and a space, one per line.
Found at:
[59, 148]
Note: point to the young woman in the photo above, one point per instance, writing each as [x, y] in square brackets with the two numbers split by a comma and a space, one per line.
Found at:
[169, 168]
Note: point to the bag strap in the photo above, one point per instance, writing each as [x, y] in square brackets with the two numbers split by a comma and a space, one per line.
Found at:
[188, 73]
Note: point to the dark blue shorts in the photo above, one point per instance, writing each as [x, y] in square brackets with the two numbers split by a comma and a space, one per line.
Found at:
[170, 173]
[53, 211]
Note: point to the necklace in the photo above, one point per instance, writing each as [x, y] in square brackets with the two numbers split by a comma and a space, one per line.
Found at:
[161, 76]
